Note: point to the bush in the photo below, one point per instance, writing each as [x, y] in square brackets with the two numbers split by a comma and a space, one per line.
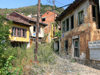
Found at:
[45, 53]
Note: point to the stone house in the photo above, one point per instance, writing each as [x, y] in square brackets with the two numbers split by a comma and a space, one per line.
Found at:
[80, 24]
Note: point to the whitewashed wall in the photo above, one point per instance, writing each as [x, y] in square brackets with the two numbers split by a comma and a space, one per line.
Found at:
[41, 33]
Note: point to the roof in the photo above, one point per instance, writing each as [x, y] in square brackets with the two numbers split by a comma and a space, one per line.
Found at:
[19, 18]
[68, 10]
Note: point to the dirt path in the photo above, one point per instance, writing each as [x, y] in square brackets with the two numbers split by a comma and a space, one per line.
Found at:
[66, 67]
[63, 67]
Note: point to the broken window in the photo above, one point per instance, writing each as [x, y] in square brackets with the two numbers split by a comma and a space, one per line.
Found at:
[80, 17]
[66, 46]
[94, 12]
[72, 22]
[67, 24]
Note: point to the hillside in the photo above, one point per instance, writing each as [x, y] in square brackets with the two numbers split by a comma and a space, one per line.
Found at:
[32, 10]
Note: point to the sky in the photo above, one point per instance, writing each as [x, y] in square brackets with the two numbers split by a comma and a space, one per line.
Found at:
[23, 3]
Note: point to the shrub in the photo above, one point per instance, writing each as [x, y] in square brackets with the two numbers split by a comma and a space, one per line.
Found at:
[45, 53]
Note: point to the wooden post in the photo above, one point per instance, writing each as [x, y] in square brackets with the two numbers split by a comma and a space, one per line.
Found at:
[37, 32]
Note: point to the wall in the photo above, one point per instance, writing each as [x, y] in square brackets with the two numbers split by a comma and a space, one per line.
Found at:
[19, 39]
[50, 18]
[41, 33]
[83, 31]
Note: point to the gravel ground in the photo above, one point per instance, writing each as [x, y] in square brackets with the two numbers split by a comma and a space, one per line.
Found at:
[63, 67]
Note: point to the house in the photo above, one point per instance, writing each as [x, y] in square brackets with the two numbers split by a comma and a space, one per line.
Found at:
[33, 29]
[19, 29]
[80, 24]
[23, 29]
[49, 18]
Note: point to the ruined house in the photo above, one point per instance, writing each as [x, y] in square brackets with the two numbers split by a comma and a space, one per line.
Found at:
[49, 18]
[80, 24]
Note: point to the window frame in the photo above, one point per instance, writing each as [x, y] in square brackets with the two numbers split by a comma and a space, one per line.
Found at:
[19, 32]
[80, 17]
[72, 27]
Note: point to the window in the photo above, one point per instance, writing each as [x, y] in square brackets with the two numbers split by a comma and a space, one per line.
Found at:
[67, 24]
[94, 12]
[76, 48]
[80, 17]
[66, 46]
[24, 32]
[13, 31]
[63, 26]
[43, 19]
[18, 32]
[72, 22]
[34, 28]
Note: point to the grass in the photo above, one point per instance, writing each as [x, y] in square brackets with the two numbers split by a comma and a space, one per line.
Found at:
[26, 56]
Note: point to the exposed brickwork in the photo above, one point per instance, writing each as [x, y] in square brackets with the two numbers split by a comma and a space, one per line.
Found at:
[49, 19]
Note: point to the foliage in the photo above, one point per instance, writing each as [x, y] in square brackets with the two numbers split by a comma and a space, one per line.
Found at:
[4, 34]
[32, 9]
[6, 70]
[44, 38]
[58, 34]
[7, 53]
[45, 53]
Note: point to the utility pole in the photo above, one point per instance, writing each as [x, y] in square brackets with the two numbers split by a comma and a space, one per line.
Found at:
[54, 8]
[54, 16]
[37, 31]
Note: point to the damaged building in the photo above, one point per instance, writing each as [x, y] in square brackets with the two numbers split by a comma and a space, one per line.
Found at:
[80, 24]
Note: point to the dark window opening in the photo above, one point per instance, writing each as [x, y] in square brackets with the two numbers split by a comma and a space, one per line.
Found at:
[63, 26]
[72, 22]
[34, 28]
[94, 12]
[67, 24]
[66, 46]
[80, 17]
[24, 32]
[43, 19]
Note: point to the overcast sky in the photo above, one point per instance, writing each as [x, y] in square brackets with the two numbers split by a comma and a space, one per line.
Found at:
[22, 3]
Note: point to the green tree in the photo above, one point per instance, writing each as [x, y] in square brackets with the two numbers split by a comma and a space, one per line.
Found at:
[4, 34]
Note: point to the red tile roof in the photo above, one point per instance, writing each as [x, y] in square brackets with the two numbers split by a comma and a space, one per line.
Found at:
[19, 18]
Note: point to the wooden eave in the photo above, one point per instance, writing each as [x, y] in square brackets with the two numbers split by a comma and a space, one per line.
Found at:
[71, 8]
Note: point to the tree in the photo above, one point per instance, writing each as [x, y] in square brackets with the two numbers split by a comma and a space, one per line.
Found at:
[4, 35]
